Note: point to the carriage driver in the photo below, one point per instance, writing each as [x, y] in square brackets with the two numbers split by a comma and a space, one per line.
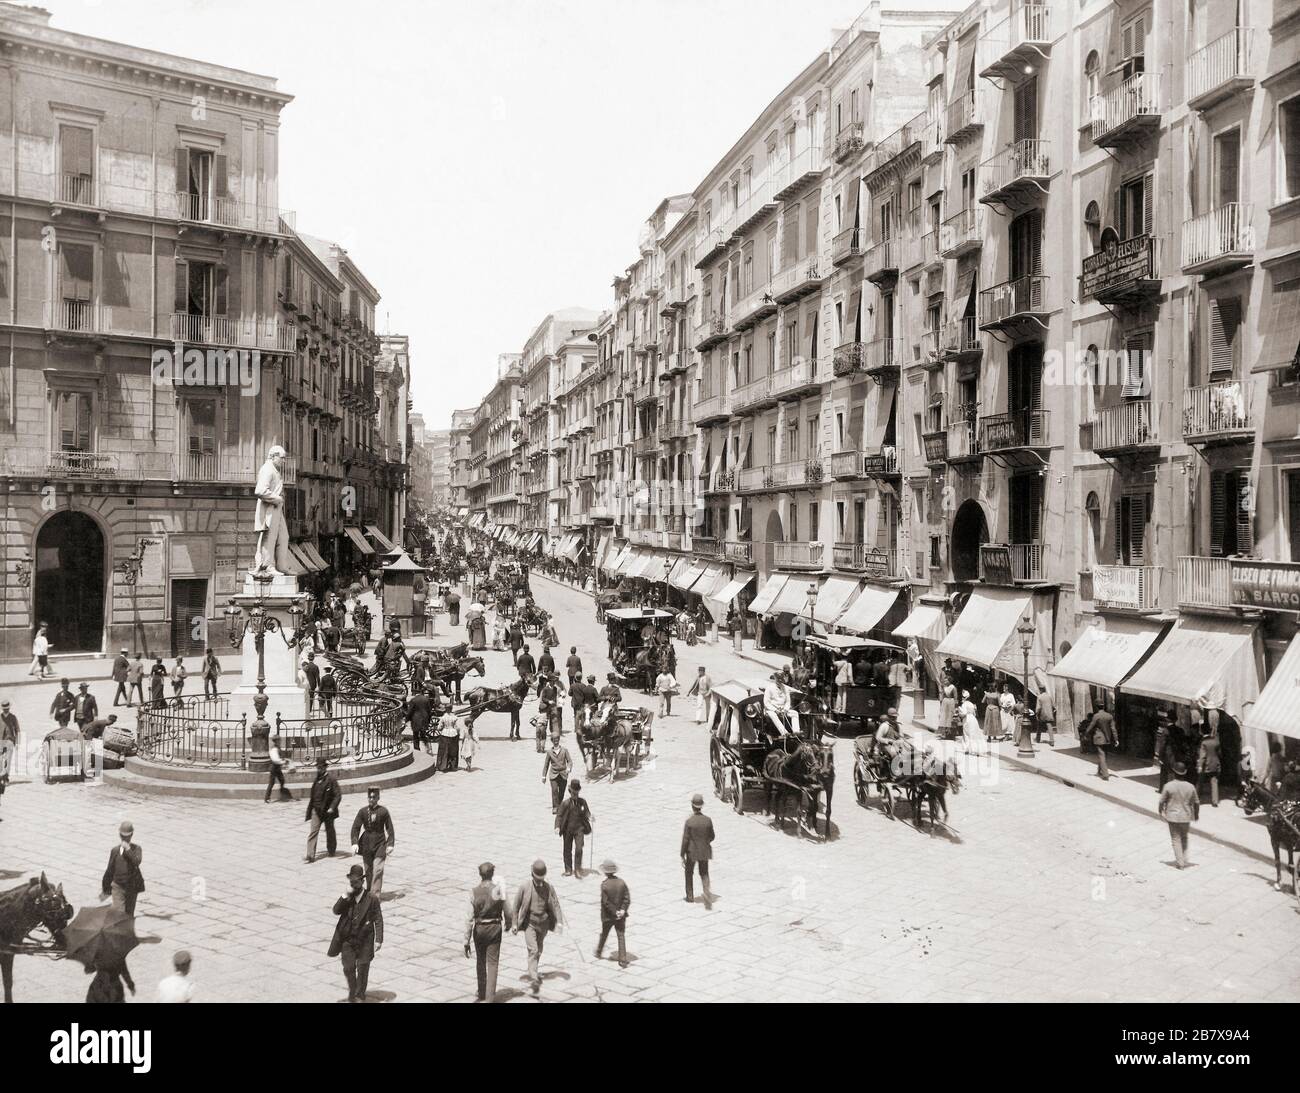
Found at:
[778, 707]
[887, 736]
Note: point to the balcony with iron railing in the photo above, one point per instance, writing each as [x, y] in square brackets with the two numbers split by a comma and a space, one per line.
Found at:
[739, 551]
[1217, 413]
[225, 467]
[932, 137]
[78, 317]
[929, 247]
[793, 176]
[752, 396]
[889, 152]
[753, 307]
[1128, 428]
[960, 339]
[756, 207]
[777, 476]
[706, 546]
[1219, 70]
[964, 436]
[964, 119]
[720, 481]
[1123, 272]
[647, 444]
[709, 244]
[847, 246]
[849, 359]
[797, 378]
[1204, 582]
[1019, 172]
[1018, 430]
[962, 233]
[225, 212]
[1127, 112]
[1026, 563]
[882, 360]
[801, 278]
[1014, 302]
[711, 408]
[868, 559]
[268, 335]
[1018, 43]
[1127, 587]
[713, 330]
[849, 141]
[798, 555]
[882, 261]
[1220, 240]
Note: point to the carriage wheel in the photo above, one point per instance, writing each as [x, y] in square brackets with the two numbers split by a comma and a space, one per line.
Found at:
[859, 785]
[887, 797]
[719, 782]
[737, 793]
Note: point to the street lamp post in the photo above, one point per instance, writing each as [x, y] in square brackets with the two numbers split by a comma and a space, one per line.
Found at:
[668, 568]
[1025, 631]
[812, 607]
[259, 623]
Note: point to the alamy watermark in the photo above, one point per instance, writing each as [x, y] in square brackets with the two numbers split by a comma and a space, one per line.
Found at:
[193, 367]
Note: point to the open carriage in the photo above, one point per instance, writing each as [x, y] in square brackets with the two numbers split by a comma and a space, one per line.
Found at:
[747, 753]
[917, 774]
[619, 744]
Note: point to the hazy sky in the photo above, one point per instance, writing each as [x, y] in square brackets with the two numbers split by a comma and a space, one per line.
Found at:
[487, 162]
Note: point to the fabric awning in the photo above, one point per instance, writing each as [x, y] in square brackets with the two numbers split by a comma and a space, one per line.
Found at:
[615, 558]
[358, 540]
[1281, 345]
[629, 558]
[1214, 664]
[762, 603]
[1108, 651]
[380, 539]
[868, 609]
[680, 567]
[574, 547]
[603, 545]
[793, 598]
[684, 578]
[926, 622]
[651, 567]
[985, 633]
[304, 562]
[315, 555]
[463, 512]
[1275, 711]
[835, 594]
[713, 577]
[720, 599]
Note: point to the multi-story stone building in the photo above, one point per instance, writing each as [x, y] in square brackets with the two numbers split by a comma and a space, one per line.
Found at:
[503, 414]
[461, 423]
[437, 445]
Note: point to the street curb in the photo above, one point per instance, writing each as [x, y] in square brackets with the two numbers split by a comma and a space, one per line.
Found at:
[1142, 810]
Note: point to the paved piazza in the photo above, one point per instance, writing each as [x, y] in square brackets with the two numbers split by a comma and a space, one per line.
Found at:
[1042, 893]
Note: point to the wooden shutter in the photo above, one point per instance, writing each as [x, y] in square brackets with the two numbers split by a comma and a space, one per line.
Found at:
[182, 297]
[76, 146]
[1148, 200]
[853, 320]
[1025, 117]
[74, 421]
[810, 229]
[1228, 149]
[1136, 350]
[220, 280]
[789, 239]
[182, 170]
[1218, 511]
[1245, 517]
[220, 175]
[1138, 510]
[1225, 319]
[76, 272]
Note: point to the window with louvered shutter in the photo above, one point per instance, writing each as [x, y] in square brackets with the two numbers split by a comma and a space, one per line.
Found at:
[76, 272]
[220, 176]
[182, 293]
[1137, 352]
[74, 421]
[1026, 509]
[1231, 521]
[1025, 117]
[789, 240]
[1225, 324]
[182, 170]
[1245, 518]
[220, 280]
[810, 224]
[1227, 157]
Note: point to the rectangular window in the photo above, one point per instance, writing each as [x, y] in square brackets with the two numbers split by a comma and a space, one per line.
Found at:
[1133, 45]
[1132, 512]
[1227, 168]
[1293, 513]
[76, 291]
[1137, 358]
[1225, 340]
[1288, 128]
[1135, 201]
[72, 413]
[814, 434]
[1231, 513]
[814, 519]
[794, 522]
[77, 164]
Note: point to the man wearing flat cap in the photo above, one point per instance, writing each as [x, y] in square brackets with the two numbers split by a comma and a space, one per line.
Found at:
[536, 911]
[358, 933]
[483, 927]
[123, 880]
[697, 850]
[373, 838]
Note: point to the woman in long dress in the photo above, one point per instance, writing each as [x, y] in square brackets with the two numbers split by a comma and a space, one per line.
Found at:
[992, 712]
[971, 733]
[947, 706]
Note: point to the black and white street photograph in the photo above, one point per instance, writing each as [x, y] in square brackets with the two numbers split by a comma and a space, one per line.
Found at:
[556, 501]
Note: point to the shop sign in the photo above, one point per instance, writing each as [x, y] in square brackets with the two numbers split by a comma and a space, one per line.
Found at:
[1265, 586]
[995, 565]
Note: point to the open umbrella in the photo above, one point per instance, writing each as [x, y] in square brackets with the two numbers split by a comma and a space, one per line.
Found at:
[100, 935]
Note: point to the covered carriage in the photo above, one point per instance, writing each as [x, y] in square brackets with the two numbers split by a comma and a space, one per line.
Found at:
[640, 642]
[855, 708]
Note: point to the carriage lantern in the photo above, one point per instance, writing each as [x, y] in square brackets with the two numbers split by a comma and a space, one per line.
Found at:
[1025, 631]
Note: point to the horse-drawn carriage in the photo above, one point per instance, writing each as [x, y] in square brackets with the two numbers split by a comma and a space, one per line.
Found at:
[640, 643]
[621, 741]
[856, 708]
[747, 752]
[532, 618]
[906, 771]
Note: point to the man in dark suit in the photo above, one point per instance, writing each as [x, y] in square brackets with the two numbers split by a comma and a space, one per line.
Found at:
[121, 666]
[373, 838]
[329, 689]
[418, 709]
[526, 665]
[358, 934]
[84, 707]
[697, 849]
[61, 707]
[323, 808]
[615, 900]
[574, 665]
[311, 673]
[1102, 727]
[123, 880]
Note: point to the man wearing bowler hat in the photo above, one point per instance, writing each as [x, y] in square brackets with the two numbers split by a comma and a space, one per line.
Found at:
[373, 838]
[358, 933]
[1180, 804]
[536, 911]
[123, 880]
[697, 850]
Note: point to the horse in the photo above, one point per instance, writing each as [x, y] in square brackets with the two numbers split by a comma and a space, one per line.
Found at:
[455, 671]
[646, 663]
[1283, 827]
[494, 700]
[22, 909]
[793, 768]
[605, 739]
[930, 785]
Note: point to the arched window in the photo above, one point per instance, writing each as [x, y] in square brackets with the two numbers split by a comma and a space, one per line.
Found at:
[1091, 83]
[1092, 224]
[1092, 531]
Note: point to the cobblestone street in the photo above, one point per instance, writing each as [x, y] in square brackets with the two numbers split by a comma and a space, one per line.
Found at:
[1039, 892]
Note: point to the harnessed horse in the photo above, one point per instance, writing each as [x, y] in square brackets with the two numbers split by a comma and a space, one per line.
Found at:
[494, 700]
[795, 768]
[22, 909]
[1283, 827]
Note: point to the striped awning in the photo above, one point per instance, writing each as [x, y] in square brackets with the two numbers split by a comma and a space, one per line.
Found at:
[1108, 651]
[300, 555]
[719, 600]
[684, 577]
[310, 550]
[793, 598]
[574, 547]
[867, 610]
[835, 594]
[762, 603]
[380, 539]
[925, 623]
[1206, 662]
[358, 540]
[1275, 710]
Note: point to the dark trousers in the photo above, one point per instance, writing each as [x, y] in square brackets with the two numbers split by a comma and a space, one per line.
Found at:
[618, 925]
[514, 723]
[690, 865]
[1102, 769]
[277, 775]
[331, 840]
[121, 693]
[419, 736]
[558, 786]
[573, 845]
[487, 950]
[453, 614]
[210, 686]
[356, 972]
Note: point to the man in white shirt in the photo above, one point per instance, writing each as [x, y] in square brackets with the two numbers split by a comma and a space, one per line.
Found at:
[702, 689]
[777, 706]
[178, 987]
[40, 653]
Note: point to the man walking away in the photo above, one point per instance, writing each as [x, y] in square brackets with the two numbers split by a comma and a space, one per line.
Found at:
[311, 680]
[1179, 806]
[536, 911]
[557, 765]
[1207, 765]
[8, 743]
[487, 915]
[574, 665]
[123, 881]
[697, 850]
[323, 808]
[135, 680]
[373, 838]
[418, 712]
[358, 933]
[615, 901]
[211, 671]
[573, 822]
[121, 670]
[1102, 727]
[702, 689]
[329, 689]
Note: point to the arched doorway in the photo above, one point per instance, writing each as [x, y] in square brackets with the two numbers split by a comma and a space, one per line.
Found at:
[970, 531]
[773, 532]
[70, 582]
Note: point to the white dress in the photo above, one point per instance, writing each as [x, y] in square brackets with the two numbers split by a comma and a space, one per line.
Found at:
[972, 734]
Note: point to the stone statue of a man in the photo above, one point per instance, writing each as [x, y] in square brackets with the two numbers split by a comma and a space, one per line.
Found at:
[272, 532]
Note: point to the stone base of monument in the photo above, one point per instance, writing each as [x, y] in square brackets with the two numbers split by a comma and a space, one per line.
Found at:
[169, 780]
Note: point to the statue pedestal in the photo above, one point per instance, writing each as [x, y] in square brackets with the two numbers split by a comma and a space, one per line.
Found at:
[279, 662]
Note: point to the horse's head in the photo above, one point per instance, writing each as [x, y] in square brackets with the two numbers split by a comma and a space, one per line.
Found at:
[471, 664]
[1255, 799]
[54, 910]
